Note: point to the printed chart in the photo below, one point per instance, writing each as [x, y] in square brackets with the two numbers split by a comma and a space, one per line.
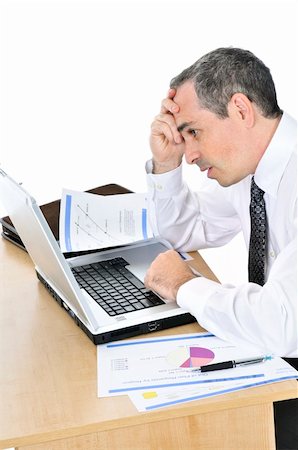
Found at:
[159, 372]
[190, 357]
[90, 221]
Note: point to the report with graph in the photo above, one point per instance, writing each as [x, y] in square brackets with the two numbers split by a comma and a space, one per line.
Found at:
[157, 372]
[91, 221]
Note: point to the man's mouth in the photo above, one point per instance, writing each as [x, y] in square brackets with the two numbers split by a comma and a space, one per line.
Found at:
[208, 169]
[204, 168]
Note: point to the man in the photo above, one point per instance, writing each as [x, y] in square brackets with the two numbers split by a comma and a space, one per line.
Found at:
[222, 114]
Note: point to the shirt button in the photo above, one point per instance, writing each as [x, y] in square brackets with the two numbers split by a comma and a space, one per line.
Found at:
[272, 254]
[159, 187]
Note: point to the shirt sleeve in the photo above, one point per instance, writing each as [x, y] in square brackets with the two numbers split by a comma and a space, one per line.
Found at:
[189, 220]
[241, 314]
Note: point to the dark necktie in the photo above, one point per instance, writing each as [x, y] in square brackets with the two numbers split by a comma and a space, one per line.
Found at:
[257, 244]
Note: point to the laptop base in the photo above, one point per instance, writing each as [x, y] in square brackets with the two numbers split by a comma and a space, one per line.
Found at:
[123, 333]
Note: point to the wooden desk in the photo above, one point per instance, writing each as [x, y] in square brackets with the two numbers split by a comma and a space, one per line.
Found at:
[48, 385]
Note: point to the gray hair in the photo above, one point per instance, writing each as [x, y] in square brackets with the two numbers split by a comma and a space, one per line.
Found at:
[220, 74]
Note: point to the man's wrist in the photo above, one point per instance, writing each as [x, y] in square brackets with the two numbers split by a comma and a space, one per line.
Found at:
[182, 281]
[163, 167]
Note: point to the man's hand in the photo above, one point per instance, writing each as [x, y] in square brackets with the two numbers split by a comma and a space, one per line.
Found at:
[167, 273]
[166, 142]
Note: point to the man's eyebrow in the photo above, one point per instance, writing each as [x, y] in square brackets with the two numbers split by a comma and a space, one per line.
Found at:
[183, 126]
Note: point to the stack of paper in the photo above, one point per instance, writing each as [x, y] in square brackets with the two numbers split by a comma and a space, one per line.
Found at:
[159, 372]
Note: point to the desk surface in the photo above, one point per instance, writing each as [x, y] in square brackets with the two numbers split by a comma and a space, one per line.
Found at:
[48, 377]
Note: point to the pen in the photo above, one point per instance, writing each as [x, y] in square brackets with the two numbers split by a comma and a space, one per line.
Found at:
[232, 364]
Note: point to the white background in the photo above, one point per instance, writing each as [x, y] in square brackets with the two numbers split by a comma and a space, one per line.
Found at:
[82, 80]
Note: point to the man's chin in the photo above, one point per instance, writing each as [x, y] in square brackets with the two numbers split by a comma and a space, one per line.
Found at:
[211, 174]
[223, 182]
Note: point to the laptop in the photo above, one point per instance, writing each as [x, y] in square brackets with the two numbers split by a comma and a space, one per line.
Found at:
[102, 291]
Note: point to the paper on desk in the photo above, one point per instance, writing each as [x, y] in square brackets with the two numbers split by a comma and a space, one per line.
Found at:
[273, 371]
[91, 221]
[156, 363]
[150, 400]
[156, 372]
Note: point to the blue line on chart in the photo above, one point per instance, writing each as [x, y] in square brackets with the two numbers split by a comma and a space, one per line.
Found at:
[186, 383]
[144, 223]
[153, 341]
[224, 391]
[67, 223]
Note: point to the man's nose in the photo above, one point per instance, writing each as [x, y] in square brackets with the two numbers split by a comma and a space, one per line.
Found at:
[192, 155]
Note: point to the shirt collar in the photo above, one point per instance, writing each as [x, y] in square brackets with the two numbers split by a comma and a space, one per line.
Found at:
[276, 157]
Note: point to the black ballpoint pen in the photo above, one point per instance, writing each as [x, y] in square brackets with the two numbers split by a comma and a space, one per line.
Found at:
[232, 364]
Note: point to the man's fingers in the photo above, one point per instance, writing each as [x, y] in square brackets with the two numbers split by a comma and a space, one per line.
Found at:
[169, 106]
[167, 273]
[165, 124]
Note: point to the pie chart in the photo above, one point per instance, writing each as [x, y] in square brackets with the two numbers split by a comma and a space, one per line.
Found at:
[190, 357]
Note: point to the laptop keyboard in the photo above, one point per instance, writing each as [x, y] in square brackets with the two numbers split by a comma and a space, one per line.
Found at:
[114, 287]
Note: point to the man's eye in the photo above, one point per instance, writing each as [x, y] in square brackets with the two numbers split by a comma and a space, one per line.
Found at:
[194, 133]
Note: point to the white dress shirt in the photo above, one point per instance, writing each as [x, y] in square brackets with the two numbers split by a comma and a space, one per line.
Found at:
[262, 317]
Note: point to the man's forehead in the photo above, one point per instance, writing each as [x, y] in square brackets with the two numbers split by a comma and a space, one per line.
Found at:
[189, 109]
[187, 100]
[185, 91]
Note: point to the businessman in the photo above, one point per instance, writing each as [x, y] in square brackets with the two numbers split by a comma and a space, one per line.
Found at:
[222, 114]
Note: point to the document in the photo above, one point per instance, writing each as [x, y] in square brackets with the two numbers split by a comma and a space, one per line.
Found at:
[150, 400]
[273, 371]
[90, 221]
[158, 372]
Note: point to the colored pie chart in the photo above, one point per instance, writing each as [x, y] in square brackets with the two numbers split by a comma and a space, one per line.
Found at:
[187, 357]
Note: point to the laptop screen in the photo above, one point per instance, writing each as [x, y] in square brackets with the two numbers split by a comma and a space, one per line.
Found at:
[39, 241]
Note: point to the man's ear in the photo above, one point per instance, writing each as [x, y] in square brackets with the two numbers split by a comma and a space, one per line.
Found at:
[241, 108]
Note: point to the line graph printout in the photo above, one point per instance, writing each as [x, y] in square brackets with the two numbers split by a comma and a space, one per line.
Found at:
[90, 221]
